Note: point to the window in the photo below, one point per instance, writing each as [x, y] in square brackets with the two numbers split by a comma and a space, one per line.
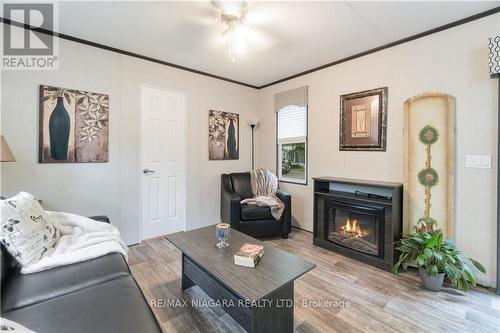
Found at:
[292, 144]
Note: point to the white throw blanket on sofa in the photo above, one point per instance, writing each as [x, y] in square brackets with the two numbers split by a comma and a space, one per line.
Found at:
[81, 239]
[264, 186]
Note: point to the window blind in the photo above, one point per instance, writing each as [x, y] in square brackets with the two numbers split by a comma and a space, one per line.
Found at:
[292, 123]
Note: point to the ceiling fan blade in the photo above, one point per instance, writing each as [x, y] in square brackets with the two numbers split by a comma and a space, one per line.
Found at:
[259, 16]
[206, 21]
[236, 8]
[218, 4]
[259, 40]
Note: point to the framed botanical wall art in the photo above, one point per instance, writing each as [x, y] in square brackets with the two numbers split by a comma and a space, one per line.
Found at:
[363, 120]
[223, 135]
[73, 126]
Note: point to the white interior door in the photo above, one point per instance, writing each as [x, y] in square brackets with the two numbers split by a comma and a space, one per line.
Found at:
[163, 168]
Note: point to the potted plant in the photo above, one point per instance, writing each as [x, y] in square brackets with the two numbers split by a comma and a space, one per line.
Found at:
[435, 258]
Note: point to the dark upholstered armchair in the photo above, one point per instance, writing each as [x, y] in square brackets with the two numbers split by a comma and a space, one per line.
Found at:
[250, 219]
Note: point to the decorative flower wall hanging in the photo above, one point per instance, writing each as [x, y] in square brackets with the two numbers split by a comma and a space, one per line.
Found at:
[428, 176]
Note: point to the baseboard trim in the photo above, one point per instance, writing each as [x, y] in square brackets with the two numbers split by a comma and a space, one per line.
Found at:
[294, 227]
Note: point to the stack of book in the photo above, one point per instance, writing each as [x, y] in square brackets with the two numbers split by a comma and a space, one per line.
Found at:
[248, 255]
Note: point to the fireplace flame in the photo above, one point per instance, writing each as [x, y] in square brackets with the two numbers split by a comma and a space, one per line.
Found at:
[353, 229]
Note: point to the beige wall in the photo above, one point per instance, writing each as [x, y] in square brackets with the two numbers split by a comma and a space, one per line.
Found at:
[452, 61]
[455, 62]
[113, 188]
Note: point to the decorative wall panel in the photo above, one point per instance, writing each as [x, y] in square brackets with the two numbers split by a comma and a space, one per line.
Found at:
[429, 162]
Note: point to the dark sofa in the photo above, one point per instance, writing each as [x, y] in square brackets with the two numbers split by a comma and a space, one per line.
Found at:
[250, 219]
[98, 295]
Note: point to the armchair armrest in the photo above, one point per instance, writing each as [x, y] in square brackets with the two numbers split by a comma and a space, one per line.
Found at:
[229, 203]
[100, 218]
[287, 213]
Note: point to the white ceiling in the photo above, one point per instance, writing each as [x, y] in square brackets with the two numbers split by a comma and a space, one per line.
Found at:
[284, 37]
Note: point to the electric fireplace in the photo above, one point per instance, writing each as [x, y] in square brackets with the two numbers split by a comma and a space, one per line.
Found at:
[356, 226]
[358, 219]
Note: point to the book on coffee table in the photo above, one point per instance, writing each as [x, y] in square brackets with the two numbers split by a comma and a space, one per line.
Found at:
[248, 255]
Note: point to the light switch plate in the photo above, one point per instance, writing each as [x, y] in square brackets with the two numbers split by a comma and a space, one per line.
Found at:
[478, 161]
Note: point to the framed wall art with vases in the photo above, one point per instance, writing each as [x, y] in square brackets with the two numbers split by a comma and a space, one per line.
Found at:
[223, 135]
[73, 126]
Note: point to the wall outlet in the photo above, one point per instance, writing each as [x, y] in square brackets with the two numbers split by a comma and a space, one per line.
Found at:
[478, 161]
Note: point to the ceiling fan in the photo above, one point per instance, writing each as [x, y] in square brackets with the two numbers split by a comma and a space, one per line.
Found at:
[232, 15]
[239, 28]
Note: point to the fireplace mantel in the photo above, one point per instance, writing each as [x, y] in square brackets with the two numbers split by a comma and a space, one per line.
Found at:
[358, 182]
[375, 206]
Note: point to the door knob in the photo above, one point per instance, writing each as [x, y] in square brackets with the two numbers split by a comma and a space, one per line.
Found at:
[147, 171]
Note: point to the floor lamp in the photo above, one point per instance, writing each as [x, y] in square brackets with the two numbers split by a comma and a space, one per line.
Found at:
[494, 55]
[252, 123]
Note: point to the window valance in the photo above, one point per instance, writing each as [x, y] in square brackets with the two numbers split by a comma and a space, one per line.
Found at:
[297, 96]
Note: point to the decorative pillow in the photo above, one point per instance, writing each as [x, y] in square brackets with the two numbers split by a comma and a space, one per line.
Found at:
[26, 232]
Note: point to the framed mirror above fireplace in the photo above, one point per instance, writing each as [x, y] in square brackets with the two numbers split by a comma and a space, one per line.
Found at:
[359, 219]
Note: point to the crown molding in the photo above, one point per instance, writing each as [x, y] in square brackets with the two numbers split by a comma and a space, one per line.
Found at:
[389, 45]
[315, 69]
[120, 51]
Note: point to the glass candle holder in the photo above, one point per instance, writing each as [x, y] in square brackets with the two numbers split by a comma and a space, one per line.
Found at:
[222, 234]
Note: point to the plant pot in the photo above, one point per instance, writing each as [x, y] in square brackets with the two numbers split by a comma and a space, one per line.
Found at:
[434, 283]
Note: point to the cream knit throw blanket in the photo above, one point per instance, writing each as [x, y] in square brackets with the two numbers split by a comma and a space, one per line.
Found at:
[81, 239]
[264, 186]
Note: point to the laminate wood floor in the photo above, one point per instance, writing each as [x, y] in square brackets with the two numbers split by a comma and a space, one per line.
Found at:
[339, 295]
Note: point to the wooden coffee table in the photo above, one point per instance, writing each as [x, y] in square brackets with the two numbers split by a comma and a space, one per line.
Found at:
[260, 299]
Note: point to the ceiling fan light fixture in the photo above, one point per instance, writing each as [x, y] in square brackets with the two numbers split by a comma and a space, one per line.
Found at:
[233, 18]
[235, 9]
